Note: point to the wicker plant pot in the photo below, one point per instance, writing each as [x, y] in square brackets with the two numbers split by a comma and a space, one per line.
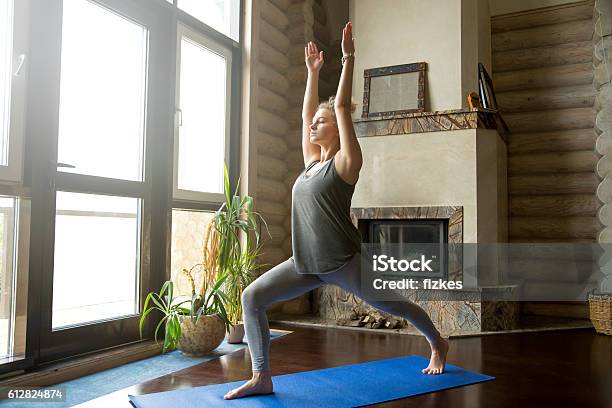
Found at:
[198, 339]
[600, 311]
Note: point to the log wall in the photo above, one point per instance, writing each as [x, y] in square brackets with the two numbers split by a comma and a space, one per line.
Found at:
[543, 78]
[602, 83]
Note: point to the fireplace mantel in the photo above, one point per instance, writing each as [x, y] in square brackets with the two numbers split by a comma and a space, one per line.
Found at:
[422, 122]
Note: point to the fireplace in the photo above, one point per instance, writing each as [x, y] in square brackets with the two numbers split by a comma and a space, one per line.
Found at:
[406, 236]
[438, 225]
[410, 225]
[407, 231]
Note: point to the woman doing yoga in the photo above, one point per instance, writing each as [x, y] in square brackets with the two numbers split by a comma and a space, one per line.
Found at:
[326, 244]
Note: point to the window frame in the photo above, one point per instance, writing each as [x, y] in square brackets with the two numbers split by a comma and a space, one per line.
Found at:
[183, 30]
[9, 260]
[12, 172]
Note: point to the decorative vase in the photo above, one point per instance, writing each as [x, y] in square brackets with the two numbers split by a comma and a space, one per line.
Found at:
[236, 334]
[201, 337]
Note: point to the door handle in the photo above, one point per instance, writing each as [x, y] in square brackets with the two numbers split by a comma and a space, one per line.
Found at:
[20, 61]
[52, 179]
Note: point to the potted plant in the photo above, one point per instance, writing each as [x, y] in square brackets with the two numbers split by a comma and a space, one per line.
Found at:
[199, 328]
[233, 220]
[227, 267]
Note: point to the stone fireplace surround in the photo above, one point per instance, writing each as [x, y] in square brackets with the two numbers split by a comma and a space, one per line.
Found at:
[448, 164]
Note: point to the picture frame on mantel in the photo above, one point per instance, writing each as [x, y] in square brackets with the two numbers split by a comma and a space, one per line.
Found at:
[394, 90]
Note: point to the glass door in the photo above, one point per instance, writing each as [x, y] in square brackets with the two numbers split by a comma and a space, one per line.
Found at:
[14, 199]
[101, 178]
[102, 109]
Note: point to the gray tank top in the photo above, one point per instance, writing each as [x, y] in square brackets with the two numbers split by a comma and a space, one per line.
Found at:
[322, 233]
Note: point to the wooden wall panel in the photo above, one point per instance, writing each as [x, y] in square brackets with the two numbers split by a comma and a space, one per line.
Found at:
[545, 35]
[581, 161]
[554, 119]
[563, 140]
[553, 205]
[526, 58]
[577, 96]
[543, 75]
[568, 183]
[582, 10]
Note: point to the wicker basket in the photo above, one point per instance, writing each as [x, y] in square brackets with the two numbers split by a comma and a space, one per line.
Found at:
[600, 310]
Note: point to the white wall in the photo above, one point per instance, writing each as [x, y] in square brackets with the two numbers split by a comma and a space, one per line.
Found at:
[393, 32]
[451, 36]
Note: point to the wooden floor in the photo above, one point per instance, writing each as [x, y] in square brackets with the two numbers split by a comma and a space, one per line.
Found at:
[571, 368]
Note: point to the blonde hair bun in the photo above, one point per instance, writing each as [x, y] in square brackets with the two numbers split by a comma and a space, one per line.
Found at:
[330, 104]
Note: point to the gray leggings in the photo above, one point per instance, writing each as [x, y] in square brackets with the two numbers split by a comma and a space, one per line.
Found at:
[282, 282]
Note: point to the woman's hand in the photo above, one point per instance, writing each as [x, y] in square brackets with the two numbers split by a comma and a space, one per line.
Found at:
[312, 57]
[348, 45]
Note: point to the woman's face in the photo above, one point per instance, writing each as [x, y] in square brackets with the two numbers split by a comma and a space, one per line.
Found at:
[323, 130]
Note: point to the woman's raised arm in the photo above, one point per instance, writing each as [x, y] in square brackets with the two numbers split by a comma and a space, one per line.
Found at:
[349, 159]
[314, 61]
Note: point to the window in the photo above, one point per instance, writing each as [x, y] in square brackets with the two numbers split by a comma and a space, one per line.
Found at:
[96, 258]
[102, 93]
[222, 15]
[13, 52]
[8, 230]
[6, 53]
[203, 108]
[13, 76]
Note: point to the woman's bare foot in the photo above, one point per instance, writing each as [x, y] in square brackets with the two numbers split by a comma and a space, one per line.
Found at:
[438, 357]
[261, 383]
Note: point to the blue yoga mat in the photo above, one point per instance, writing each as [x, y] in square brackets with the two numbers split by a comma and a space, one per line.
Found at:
[95, 385]
[346, 386]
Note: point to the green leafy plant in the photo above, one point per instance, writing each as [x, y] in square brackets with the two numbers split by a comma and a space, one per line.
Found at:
[237, 258]
[227, 268]
[211, 300]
